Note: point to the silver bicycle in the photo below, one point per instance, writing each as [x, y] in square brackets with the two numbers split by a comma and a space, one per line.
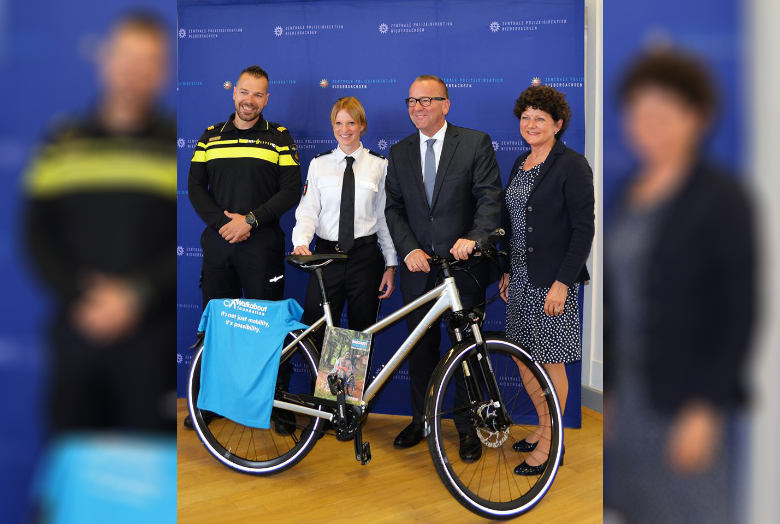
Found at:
[486, 381]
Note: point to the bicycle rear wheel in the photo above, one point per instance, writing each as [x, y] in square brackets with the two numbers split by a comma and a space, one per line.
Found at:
[260, 451]
[488, 486]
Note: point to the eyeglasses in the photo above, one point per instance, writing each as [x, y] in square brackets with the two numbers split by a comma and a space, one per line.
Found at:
[425, 101]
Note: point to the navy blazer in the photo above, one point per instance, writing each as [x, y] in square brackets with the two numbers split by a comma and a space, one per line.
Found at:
[466, 203]
[559, 218]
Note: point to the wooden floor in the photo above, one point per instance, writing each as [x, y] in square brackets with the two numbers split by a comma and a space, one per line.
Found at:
[397, 486]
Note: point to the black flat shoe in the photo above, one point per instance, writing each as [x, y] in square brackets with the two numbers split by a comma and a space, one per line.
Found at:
[208, 416]
[284, 421]
[470, 447]
[410, 436]
[524, 446]
[531, 471]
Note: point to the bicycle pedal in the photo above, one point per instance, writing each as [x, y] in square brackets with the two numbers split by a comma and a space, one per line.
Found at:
[365, 456]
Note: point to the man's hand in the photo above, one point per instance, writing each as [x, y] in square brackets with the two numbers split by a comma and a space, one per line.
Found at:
[503, 287]
[108, 311]
[301, 250]
[418, 261]
[388, 283]
[462, 248]
[694, 439]
[237, 230]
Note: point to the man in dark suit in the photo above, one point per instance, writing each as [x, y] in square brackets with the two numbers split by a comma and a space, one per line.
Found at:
[443, 193]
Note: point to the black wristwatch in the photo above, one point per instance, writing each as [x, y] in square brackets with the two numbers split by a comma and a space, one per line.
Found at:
[250, 219]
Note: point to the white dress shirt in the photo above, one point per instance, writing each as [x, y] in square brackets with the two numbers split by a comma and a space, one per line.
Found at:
[320, 206]
[437, 146]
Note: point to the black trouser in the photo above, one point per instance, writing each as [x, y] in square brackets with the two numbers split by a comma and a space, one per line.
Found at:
[355, 281]
[252, 269]
[426, 355]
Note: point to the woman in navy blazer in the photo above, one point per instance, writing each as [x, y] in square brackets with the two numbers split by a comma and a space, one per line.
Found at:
[549, 216]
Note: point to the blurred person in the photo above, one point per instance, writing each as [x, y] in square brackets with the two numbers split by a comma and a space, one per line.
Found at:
[100, 201]
[343, 202]
[678, 306]
[244, 175]
[98, 192]
[549, 217]
[443, 194]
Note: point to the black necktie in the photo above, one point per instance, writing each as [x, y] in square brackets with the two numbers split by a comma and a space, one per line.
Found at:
[347, 212]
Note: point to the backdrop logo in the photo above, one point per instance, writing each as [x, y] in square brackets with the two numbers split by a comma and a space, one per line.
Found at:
[181, 143]
[324, 83]
[319, 144]
[305, 30]
[382, 144]
[510, 145]
[189, 252]
[535, 81]
[179, 358]
[227, 84]
[495, 145]
[209, 32]
[565, 81]
[355, 83]
[412, 27]
[189, 143]
[524, 25]
[468, 82]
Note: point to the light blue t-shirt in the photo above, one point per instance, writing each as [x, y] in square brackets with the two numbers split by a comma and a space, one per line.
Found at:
[241, 352]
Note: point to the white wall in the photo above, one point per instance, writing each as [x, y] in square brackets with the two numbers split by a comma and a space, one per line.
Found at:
[592, 333]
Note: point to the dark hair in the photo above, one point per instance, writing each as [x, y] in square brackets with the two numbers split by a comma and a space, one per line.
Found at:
[547, 99]
[680, 73]
[254, 71]
[434, 78]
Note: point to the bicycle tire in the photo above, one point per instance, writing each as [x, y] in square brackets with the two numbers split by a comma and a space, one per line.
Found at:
[280, 455]
[518, 494]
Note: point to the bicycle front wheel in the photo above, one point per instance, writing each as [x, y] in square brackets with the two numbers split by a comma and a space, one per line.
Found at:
[253, 450]
[488, 486]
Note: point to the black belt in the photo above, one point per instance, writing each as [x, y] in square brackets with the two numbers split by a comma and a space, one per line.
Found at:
[330, 245]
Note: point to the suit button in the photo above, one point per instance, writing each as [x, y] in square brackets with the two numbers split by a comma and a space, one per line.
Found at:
[530, 208]
[530, 229]
[530, 250]
[430, 218]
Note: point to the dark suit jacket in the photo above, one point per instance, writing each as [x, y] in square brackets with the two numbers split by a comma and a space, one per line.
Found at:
[699, 295]
[559, 216]
[466, 197]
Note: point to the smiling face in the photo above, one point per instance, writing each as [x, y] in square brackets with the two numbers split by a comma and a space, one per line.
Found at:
[251, 97]
[538, 127]
[347, 131]
[428, 119]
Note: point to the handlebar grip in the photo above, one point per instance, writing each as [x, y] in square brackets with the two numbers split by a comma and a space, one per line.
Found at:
[485, 243]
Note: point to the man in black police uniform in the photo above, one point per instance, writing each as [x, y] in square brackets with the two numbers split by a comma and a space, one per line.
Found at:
[244, 176]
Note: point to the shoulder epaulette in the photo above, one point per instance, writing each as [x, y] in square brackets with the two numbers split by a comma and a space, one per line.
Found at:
[323, 154]
[376, 154]
[277, 127]
[211, 128]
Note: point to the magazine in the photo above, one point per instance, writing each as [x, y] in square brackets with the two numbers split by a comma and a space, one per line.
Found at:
[344, 353]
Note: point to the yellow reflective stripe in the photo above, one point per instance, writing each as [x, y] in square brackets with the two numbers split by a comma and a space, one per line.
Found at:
[199, 156]
[216, 142]
[282, 148]
[61, 174]
[201, 144]
[287, 160]
[242, 152]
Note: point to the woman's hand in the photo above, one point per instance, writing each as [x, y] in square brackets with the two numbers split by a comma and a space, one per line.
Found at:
[301, 250]
[556, 298]
[694, 439]
[503, 287]
[388, 283]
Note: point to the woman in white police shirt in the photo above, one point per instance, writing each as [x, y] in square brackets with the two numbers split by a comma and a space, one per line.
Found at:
[343, 202]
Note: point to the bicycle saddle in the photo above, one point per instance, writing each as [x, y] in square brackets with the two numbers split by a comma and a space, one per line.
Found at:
[313, 261]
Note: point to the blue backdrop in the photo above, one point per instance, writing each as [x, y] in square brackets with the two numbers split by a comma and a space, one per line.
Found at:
[316, 52]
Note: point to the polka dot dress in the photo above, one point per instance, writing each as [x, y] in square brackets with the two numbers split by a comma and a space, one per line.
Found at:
[549, 339]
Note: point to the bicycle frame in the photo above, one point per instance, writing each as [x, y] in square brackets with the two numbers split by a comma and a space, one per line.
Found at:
[446, 296]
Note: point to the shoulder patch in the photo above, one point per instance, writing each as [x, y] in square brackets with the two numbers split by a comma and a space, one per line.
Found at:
[323, 154]
[376, 154]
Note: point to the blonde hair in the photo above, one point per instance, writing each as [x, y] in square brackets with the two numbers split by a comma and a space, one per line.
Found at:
[355, 109]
